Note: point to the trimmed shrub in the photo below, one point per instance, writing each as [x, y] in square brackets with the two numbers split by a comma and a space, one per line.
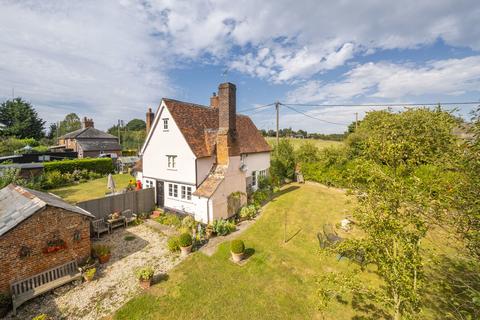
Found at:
[172, 244]
[185, 240]
[248, 212]
[237, 246]
[99, 165]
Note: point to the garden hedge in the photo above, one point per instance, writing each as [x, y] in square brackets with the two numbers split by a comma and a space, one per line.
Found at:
[98, 165]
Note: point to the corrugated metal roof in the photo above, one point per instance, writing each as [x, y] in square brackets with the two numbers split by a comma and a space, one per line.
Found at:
[18, 203]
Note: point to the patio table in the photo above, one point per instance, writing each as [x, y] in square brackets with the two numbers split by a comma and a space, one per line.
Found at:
[116, 222]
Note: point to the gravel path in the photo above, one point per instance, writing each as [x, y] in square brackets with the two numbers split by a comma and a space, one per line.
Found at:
[114, 283]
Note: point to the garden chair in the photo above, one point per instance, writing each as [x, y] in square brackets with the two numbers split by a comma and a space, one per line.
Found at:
[129, 216]
[100, 226]
[330, 234]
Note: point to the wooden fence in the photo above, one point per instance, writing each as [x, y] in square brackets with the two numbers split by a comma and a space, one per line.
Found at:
[138, 201]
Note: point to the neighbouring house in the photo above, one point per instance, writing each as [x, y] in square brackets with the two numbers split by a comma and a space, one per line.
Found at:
[33, 222]
[89, 142]
[202, 160]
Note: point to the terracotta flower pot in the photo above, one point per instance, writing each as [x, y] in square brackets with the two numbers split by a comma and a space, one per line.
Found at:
[105, 258]
[145, 284]
[186, 250]
[237, 257]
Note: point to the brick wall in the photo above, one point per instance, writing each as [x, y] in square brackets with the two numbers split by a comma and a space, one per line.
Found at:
[34, 233]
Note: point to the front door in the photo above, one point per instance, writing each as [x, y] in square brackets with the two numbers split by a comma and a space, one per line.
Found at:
[160, 194]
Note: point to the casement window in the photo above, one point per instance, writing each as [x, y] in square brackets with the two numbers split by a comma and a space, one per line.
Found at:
[170, 190]
[165, 124]
[184, 192]
[189, 193]
[262, 173]
[171, 162]
[149, 183]
[254, 178]
[175, 190]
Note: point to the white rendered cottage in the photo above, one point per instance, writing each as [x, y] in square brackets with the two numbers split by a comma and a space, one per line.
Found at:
[197, 156]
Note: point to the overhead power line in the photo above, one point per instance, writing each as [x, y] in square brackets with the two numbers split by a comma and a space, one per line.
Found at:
[383, 104]
[257, 108]
[312, 117]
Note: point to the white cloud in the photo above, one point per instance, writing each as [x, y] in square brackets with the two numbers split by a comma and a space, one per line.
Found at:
[93, 58]
[395, 81]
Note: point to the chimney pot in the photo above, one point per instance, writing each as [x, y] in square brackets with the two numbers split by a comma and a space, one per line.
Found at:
[214, 101]
[87, 123]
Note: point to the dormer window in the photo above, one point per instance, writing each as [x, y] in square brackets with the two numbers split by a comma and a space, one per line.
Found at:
[165, 124]
[171, 162]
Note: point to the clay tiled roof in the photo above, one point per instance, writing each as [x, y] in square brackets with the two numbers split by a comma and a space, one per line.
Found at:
[211, 183]
[199, 125]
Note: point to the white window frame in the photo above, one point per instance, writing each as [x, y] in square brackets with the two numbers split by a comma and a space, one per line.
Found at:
[170, 189]
[254, 178]
[171, 161]
[165, 124]
[189, 193]
[175, 190]
[183, 192]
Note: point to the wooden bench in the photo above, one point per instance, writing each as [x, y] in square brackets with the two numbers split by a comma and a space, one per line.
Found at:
[32, 287]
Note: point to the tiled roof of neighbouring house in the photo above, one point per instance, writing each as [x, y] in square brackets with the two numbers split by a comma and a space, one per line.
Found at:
[18, 204]
[99, 144]
[88, 133]
[199, 125]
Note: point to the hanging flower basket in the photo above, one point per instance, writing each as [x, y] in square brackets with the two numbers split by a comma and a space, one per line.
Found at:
[54, 246]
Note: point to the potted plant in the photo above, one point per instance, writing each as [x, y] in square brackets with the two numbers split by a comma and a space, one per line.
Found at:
[89, 274]
[185, 242]
[102, 252]
[144, 276]
[4, 304]
[237, 249]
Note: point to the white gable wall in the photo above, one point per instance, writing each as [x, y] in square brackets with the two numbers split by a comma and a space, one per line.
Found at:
[168, 142]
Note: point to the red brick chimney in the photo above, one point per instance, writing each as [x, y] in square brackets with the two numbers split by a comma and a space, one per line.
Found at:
[214, 101]
[227, 123]
[149, 120]
[87, 123]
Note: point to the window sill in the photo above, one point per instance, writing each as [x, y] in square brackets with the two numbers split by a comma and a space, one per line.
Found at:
[172, 169]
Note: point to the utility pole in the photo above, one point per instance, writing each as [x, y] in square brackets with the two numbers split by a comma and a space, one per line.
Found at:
[356, 121]
[118, 130]
[277, 108]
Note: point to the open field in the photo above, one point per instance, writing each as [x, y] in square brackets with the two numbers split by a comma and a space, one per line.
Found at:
[279, 279]
[320, 144]
[91, 189]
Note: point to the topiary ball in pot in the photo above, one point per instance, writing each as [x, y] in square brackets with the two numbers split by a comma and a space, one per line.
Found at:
[185, 242]
[237, 249]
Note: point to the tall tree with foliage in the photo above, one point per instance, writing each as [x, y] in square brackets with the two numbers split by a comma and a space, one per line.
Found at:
[282, 164]
[136, 125]
[396, 206]
[70, 123]
[20, 120]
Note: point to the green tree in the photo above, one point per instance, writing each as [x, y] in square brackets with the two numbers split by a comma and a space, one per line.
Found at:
[307, 153]
[69, 124]
[20, 120]
[396, 204]
[282, 164]
[136, 125]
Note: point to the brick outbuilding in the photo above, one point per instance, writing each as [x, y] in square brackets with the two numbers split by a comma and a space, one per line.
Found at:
[38, 231]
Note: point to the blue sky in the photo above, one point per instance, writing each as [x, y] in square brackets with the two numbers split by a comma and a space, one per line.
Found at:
[110, 60]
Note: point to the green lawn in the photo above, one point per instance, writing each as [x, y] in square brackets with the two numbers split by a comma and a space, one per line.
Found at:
[320, 144]
[279, 279]
[277, 282]
[91, 189]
